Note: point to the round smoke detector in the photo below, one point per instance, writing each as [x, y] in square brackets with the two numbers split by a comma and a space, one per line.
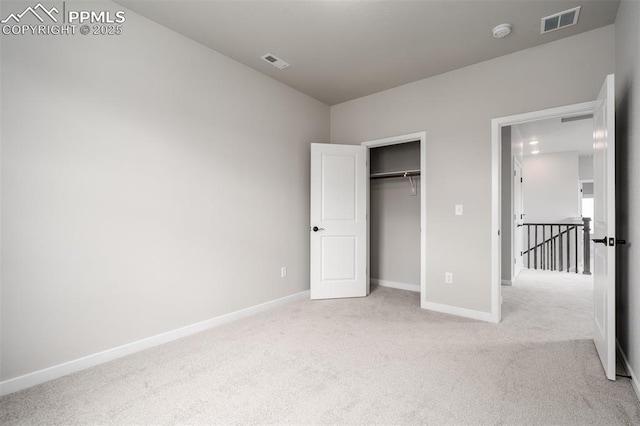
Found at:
[502, 30]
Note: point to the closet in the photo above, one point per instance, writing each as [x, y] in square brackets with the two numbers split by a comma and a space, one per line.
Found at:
[395, 215]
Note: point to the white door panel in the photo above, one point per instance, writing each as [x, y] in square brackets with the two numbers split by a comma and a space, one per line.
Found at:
[339, 177]
[339, 256]
[517, 219]
[604, 273]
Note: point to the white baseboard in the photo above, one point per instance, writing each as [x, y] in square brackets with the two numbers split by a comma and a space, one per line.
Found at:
[41, 376]
[461, 312]
[393, 284]
[627, 366]
[506, 282]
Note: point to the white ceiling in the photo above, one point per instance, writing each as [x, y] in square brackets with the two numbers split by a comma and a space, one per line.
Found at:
[554, 136]
[342, 50]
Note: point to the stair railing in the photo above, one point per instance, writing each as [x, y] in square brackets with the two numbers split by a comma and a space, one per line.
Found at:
[555, 246]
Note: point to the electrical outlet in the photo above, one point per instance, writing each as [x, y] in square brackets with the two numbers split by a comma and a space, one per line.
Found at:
[283, 272]
[458, 209]
[448, 277]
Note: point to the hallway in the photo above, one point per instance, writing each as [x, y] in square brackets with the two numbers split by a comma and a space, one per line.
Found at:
[550, 305]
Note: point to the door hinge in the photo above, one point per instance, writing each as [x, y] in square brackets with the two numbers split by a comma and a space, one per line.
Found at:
[521, 180]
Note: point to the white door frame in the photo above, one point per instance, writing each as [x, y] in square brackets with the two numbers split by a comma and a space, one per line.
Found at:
[496, 175]
[395, 140]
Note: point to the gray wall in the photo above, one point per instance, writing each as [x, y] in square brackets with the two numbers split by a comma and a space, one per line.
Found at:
[148, 183]
[395, 216]
[512, 149]
[552, 187]
[627, 34]
[517, 144]
[455, 109]
[585, 167]
[506, 189]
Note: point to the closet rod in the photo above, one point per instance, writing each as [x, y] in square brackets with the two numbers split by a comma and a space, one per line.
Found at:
[407, 173]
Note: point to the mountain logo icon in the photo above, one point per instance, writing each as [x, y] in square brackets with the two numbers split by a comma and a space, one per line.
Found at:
[38, 11]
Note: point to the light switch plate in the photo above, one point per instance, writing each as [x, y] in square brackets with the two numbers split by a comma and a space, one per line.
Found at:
[458, 209]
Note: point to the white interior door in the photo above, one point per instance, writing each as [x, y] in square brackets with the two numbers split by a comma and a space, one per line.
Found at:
[339, 202]
[518, 219]
[604, 268]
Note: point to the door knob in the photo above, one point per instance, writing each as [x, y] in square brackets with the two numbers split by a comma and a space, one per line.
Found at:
[600, 240]
[621, 241]
[316, 229]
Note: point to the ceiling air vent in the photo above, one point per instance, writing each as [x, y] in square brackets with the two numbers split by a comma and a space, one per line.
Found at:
[275, 61]
[560, 20]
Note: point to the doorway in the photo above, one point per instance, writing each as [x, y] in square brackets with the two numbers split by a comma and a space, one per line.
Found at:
[549, 162]
[502, 215]
[393, 167]
[603, 112]
[394, 216]
[340, 232]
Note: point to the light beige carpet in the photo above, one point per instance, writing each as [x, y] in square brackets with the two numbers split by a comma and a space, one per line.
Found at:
[379, 359]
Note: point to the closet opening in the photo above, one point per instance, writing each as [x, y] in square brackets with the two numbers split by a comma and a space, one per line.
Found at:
[397, 213]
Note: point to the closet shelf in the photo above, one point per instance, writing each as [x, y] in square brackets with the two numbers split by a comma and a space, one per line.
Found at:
[402, 174]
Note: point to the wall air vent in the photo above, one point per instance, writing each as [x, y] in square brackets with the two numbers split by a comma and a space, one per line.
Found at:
[576, 118]
[560, 20]
[275, 61]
